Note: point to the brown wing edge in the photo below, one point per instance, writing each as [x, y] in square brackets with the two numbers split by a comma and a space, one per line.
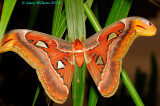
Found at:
[51, 96]
[34, 59]
[106, 88]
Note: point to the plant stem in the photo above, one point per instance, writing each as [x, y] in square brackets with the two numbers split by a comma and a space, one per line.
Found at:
[76, 28]
[131, 89]
[124, 75]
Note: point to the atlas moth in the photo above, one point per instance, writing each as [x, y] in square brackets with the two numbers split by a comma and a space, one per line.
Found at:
[54, 59]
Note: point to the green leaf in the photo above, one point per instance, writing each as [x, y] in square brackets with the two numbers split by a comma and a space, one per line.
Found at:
[91, 17]
[76, 28]
[33, 15]
[93, 96]
[131, 89]
[57, 17]
[78, 85]
[36, 95]
[62, 25]
[6, 14]
[75, 18]
[119, 10]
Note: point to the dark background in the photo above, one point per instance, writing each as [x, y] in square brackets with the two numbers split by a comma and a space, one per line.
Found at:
[18, 81]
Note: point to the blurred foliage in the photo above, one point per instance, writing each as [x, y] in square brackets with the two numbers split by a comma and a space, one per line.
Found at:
[153, 82]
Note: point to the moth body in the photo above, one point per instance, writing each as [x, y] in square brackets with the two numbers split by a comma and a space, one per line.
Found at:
[79, 54]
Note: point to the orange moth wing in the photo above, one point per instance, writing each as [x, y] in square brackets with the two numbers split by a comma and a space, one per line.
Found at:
[54, 58]
[50, 56]
[105, 50]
